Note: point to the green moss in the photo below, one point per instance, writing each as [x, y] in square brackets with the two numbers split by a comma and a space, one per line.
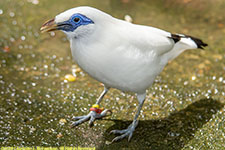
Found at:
[184, 109]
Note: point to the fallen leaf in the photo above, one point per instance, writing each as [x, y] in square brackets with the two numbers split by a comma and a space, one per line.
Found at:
[70, 77]
[220, 25]
[59, 135]
[6, 49]
[62, 121]
[217, 56]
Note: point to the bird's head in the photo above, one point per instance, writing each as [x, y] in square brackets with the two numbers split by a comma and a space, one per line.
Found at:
[76, 22]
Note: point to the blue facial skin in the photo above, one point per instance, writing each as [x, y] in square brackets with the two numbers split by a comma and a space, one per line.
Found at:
[74, 22]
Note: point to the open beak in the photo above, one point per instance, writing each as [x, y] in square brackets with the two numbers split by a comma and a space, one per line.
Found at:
[49, 25]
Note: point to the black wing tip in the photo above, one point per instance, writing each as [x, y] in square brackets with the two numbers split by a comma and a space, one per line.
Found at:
[200, 44]
[176, 38]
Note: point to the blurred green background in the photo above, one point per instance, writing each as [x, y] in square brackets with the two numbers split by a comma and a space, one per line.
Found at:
[184, 109]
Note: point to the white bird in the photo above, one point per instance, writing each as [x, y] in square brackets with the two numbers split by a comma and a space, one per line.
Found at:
[118, 54]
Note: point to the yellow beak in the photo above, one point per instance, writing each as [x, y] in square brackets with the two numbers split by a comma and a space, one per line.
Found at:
[49, 25]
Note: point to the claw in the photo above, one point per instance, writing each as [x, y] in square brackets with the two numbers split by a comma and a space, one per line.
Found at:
[120, 137]
[92, 116]
[125, 132]
[74, 124]
[91, 121]
[118, 131]
[80, 121]
[130, 135]
[104, 113]
[78, 118]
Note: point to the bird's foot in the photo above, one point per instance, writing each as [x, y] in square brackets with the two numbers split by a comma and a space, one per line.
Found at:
[95, 113]
[126, 132]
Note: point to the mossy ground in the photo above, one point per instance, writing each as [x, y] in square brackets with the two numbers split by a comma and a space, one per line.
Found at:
[184, 109]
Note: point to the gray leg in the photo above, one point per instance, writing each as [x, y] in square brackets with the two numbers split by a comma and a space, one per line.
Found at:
[129, 131]
[102, 95]
[92, 114]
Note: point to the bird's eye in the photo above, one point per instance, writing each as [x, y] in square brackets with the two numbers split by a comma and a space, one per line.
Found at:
[76, 19]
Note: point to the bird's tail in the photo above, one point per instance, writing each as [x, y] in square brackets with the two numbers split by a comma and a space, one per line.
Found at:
[182, 43]
[198, 42]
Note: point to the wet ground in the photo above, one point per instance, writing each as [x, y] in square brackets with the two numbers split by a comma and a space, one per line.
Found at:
[184, 108]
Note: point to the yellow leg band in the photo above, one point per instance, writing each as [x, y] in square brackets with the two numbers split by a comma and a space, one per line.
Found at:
[95, 106]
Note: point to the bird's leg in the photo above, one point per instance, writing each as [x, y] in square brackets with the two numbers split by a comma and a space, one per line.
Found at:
[95, 112]
[129, 131]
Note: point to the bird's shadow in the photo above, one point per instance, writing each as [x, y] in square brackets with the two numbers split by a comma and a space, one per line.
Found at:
[172, 132]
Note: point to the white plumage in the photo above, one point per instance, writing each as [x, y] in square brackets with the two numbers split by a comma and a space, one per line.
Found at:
[122, 55]
[119, 54]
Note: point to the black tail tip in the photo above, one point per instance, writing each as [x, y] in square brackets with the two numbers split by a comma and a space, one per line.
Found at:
[200, 44]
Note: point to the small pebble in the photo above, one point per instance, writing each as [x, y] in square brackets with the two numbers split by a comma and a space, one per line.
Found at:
[128, 18]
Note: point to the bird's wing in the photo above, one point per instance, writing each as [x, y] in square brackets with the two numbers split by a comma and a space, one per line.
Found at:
[147, 38]
[160, 42]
